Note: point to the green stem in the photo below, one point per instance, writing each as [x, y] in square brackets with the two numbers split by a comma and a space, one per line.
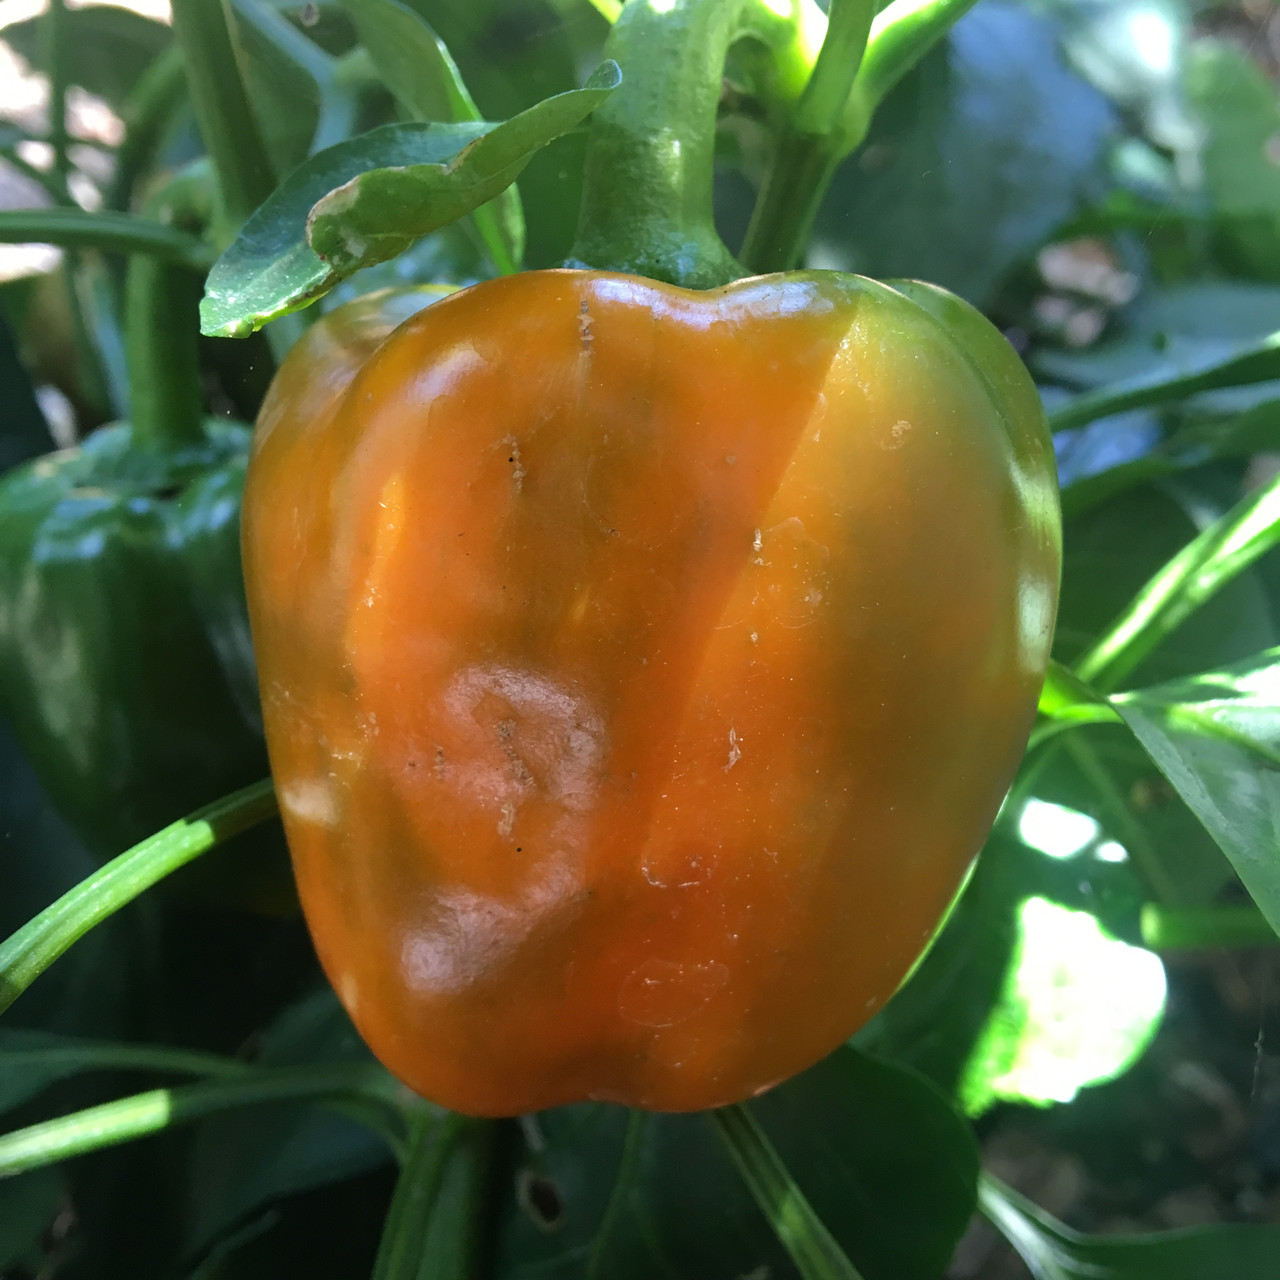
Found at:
[458, 1230]
[807, 153]
[646, 205]
[25, 955]
[1206, 564]
[161, 324]
[812, 1248]
[404, 1233]
[620, 1197]
[162, 328]
[105, 230]
[51, 180]
[1184, 927]
[867, 58]
[1260, 363]
[901, 35]
[55, 51]
[148, 113]
[227, 123]
[144, 1114]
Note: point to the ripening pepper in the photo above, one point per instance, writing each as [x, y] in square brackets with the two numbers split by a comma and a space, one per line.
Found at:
[642, 668]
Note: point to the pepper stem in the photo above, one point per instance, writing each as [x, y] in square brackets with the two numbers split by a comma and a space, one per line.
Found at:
[646, 206]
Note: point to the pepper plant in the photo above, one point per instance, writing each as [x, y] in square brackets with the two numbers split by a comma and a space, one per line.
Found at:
[185, 1094]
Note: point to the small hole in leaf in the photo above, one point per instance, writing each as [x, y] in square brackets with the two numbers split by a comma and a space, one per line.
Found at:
[540, 1199]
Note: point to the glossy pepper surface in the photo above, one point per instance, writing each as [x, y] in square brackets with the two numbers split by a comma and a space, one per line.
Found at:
[124, 658]
[642, 668]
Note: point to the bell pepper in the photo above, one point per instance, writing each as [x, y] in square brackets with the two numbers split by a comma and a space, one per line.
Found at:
[125, 665]
[643, 668]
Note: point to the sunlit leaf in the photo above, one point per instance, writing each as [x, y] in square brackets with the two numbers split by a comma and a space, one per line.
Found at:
[1205, 565]
[356, 189]
[1216, 737]
[1078, 1008]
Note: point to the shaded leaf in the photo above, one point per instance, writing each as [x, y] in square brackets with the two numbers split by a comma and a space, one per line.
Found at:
[976, 157]
[301, 101]
[30, 1061]
[27, 1209]
[885, 1162]
[107, 47]
[1053, 1251]
[242, 1163]
[1239, 108]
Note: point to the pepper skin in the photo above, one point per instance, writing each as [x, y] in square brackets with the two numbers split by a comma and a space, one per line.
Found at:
[114, 561]
[642, 668]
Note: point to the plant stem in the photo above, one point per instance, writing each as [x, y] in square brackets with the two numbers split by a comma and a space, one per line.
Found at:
[404, 1233]
[25, 955]
[866, 59]
[901, 35]
[227, 123]
[55, 61]
[812, 1248]
[143, 1114]
[810, 147]
[1186, 927]
[147, 113]
[105, 230]
[162, 327]
[1209, 561]
[458, 1232]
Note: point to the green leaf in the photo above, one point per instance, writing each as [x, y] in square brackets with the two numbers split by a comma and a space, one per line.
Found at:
[1202, 440]
[412, 60]
[245, 1161]
[27, 1209]
[1053, 1251]
[1078, 1008]
[972, 161]
[415, 65]
[1248, 364]
[1205, 565]
[445, 170]
[885, 1162]
[1238, 107]
[30, 1061]
[1216, 737]
[107, 47]
[300, 100]
[1066, 700]
[801, 1232]
[382, 211]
